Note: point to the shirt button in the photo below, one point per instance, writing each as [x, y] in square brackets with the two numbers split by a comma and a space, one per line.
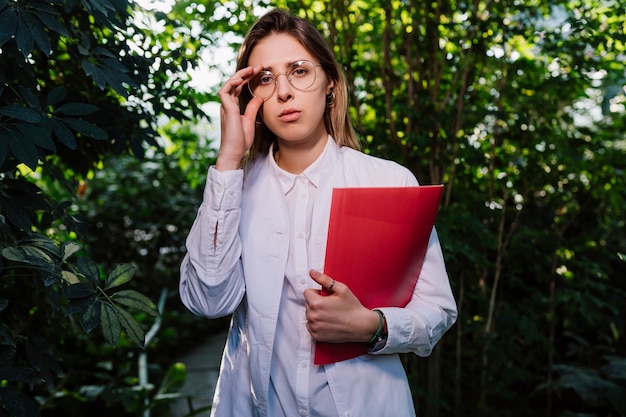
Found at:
[302, 281]
[219, 189]
[303, 413]
[300, 235]
[303, 364]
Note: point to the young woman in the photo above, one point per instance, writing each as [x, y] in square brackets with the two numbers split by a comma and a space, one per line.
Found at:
[256, 249]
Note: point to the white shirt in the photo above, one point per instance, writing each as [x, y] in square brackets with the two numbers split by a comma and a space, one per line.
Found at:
[292, 369]
[236, 263]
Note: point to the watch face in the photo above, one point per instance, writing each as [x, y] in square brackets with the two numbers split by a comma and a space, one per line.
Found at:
[378, 344]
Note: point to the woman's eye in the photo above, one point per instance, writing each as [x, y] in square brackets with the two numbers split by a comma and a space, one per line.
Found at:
[299, 71]
[265, 79]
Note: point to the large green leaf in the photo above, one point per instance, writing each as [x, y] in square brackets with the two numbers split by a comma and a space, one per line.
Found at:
[21, 113]
[79, 290]
[110, 323]
[8, 24]
[76, 109]
[24, 36]
[135, 300]
[90, 319]
[85, 128]
[119, 275]
[89, 269]
[131, 327]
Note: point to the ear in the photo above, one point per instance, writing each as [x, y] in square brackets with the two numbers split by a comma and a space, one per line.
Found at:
[330, 87]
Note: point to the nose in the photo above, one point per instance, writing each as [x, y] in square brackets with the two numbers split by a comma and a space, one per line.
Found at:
[283, 87]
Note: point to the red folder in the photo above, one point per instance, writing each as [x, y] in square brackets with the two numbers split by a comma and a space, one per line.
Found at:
[377, 240]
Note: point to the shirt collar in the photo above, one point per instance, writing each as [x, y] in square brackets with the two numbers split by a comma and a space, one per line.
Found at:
[312, 173]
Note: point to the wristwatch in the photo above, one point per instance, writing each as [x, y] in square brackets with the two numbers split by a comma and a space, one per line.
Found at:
[380, 338]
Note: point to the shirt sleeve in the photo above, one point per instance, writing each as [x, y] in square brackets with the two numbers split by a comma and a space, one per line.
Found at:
[429, 314]
[211, 279]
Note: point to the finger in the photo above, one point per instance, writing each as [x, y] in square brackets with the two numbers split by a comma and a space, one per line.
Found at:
[253, 108]
[324, 280]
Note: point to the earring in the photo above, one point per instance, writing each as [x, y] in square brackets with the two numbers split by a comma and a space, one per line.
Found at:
[330, 98]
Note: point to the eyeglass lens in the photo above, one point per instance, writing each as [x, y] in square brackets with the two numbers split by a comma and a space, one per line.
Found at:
[300, 74]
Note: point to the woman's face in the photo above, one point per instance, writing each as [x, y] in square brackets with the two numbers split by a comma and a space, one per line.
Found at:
[295, 116]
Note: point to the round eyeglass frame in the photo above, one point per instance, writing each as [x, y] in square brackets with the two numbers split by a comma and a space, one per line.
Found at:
[285, 73]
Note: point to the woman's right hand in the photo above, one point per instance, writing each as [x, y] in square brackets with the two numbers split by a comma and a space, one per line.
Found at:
[237, 130]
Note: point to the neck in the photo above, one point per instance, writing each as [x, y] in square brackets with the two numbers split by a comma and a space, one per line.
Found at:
[295, 159]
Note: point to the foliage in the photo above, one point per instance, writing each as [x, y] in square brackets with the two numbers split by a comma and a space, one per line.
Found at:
[79, 81]
[518, 108]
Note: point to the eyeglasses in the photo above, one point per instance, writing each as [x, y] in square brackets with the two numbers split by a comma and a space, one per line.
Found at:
[301, 75]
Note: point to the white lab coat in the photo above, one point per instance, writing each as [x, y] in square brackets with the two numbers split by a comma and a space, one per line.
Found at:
[241, 271]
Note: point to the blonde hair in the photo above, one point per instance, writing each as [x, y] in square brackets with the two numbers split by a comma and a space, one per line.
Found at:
[336, 117]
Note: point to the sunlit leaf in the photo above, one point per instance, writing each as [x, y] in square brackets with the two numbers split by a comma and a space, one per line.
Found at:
[70, 277]
[120, 274]
[68, 249]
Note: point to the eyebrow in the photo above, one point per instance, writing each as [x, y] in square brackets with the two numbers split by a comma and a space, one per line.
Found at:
[270, 69]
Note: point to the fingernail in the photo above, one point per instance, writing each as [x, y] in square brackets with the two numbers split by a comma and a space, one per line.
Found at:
[315, 274]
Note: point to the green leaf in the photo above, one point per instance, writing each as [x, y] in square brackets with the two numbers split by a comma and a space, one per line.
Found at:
[88, 268]
[21, 113]
[30, 98]
[86, 128]
[20, 374]
[18, 404]
[120, 274]
[41, 36]
[79, 290]
[111, 326]
[38, 135]
[77, 109]
[56, 95]
[6, 336]
[173, 380]
[25, 152]
[131, 326]
[15, 213]
[14, 254]
[51, 22]
[136, 300]
[8, 24]
[68, 249]
[79, 305]
[36, 253]
[24, 37]
[94, 72]
[70, 277]
[64, 134]
[4, 148]
[91, 318]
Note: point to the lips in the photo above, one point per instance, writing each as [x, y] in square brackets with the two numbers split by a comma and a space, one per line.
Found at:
[289, 115]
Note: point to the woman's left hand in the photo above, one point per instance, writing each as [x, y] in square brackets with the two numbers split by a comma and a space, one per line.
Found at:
[339, 316]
